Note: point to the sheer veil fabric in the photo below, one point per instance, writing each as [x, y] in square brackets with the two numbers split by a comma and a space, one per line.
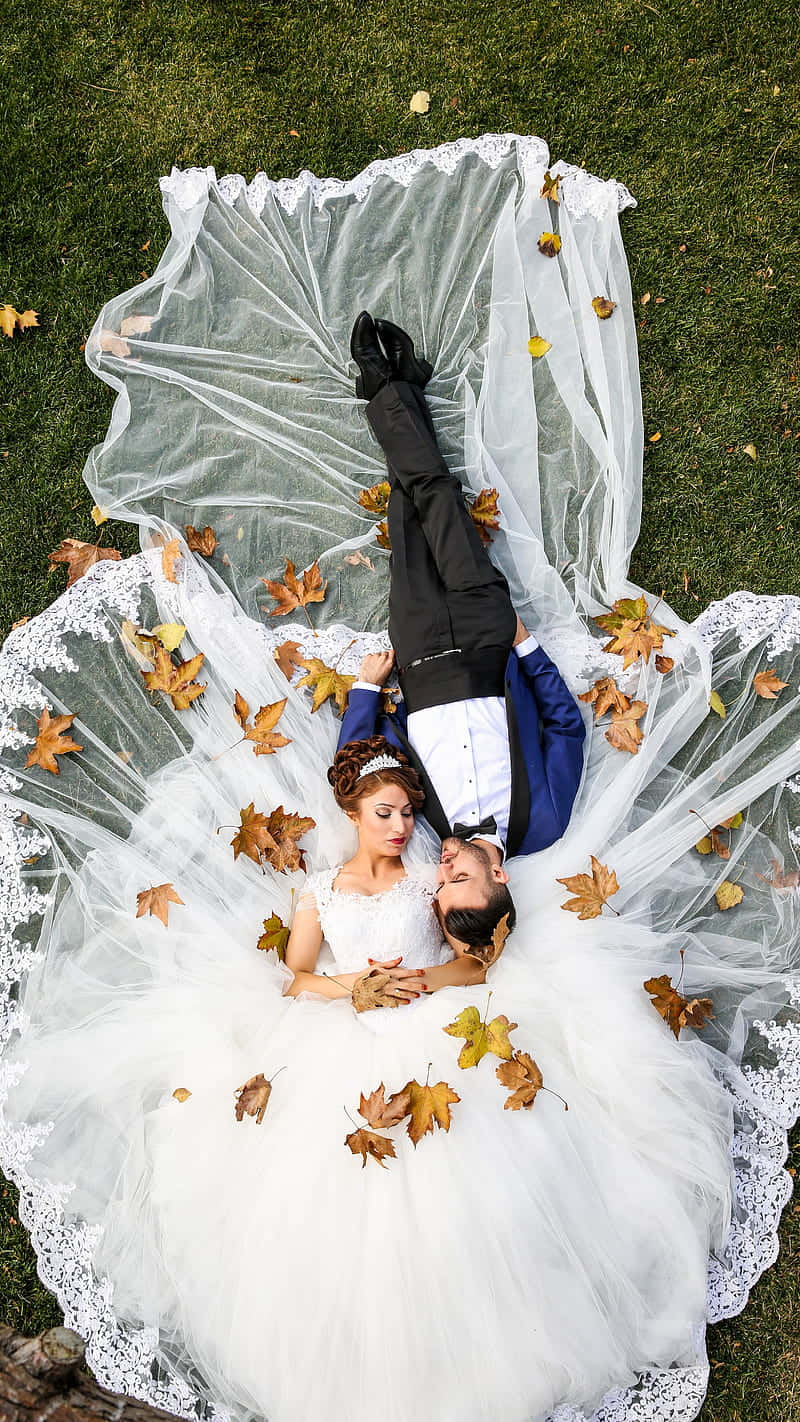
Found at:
[235, 408]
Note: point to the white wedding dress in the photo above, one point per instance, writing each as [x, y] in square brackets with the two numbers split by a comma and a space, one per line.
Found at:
[527, 1264]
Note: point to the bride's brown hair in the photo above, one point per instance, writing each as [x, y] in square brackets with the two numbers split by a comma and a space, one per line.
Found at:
[348, 762]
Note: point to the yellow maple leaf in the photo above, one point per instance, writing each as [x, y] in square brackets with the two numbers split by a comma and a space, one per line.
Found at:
[481, 1036]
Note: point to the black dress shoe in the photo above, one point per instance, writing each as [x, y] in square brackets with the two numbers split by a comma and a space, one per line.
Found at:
[368, 356]
[399, 348]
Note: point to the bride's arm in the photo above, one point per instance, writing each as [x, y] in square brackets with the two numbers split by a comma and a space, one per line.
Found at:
[302, 952]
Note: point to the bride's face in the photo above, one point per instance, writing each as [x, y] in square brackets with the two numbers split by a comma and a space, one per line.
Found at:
[385, 820]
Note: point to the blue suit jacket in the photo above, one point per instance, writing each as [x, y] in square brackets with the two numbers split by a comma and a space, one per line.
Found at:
[551, 732]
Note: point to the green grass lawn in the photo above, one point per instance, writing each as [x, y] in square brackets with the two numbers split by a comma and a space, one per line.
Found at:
[693, 106]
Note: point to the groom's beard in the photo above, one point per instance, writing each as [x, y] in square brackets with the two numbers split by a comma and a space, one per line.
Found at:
[468, 846]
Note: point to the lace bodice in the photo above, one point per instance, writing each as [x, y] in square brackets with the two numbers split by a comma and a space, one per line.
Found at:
[399, 920]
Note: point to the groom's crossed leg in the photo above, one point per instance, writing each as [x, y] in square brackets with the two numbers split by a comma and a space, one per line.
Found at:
[446, 594]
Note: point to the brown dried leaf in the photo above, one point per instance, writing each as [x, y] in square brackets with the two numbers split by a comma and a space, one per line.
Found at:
[287, 658]
[181, 1093]
[283, 831]
[624, 733]
[296, 592]
[380, 1113]
[113, 342]
[485, 514]
[198, 542]
[489, 953]
[664, 664]
[135, 325]
[603, 306]
[592, 890]
[603, 694]
[169, 552]
[768, 684]
[266, 740]
[156, 901]
[253, 1097]
[368, 991]
[781, 879]
[253, 834]
[549, 188]
[549, 244]
[375, 499]
[52, 740]
[368, 1143]
[79, 556]
[523, 1077]
[358, 558]
[676, 1010]
[177, 681]
[382, 530]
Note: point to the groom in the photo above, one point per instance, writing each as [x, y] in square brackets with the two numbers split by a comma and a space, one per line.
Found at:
[486, 720]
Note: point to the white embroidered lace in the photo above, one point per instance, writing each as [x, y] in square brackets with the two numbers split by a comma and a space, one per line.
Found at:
[131, 1360]
[582, 193]
[399, 919]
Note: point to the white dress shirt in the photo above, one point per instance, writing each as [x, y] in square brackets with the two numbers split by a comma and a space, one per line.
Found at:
[464, 748]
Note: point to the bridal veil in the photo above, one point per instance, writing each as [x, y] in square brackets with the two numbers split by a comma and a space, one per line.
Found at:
[235, 409]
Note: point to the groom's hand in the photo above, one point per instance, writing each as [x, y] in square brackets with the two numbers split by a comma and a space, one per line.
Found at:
[376, 667]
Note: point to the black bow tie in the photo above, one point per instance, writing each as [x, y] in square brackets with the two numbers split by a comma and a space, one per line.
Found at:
[487, 826]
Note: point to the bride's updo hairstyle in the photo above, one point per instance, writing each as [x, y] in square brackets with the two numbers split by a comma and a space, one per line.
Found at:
[350, 786]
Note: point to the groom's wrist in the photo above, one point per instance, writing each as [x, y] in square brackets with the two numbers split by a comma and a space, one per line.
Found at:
[365, 686]
[529, 644]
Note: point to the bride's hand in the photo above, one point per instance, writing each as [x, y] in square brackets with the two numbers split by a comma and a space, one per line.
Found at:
[404, 990]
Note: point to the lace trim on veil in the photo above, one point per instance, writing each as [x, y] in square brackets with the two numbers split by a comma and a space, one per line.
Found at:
[130, 1360]
[582, 193]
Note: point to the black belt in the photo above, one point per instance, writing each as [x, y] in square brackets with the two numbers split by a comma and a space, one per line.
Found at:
[454, 675]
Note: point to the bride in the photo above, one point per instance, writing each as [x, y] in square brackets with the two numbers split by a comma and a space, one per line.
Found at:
[256, 1188]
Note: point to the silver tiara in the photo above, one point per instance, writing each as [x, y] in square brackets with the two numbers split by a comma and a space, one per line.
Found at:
[378, 762]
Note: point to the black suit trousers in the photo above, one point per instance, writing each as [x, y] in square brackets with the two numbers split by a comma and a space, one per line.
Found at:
[446, 595]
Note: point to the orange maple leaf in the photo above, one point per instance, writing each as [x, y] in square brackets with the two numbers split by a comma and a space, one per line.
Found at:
[177, 681]
[198, 542]
[156, 901]
[380, 1113]
[369, 1143]
[49, 742]
[79, 556]
[296, 592]
[624, 733]
[768, 684]
[287, 658]
[604, 695]
[266, 740]
[676, 1010]
[592, 890]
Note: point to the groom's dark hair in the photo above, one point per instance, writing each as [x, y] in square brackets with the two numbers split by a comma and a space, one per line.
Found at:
[475, 926]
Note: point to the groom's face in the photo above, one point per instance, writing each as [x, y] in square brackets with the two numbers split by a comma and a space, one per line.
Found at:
[465, 876]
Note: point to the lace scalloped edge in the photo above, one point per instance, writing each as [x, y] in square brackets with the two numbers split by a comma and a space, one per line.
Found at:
[127, 1359]
[582, 192]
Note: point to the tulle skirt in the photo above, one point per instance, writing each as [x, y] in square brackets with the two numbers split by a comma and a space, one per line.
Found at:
[517, 1260]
